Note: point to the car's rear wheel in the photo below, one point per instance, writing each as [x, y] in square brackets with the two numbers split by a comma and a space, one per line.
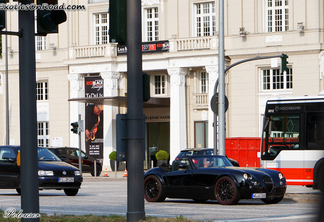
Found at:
[226, 191]
[272, 200]
[99, 169]
[153, 190]
[71, 192]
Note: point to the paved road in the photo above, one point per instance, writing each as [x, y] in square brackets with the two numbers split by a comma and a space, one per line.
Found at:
[108, 195]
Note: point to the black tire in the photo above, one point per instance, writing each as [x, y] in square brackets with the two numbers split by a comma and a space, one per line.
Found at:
[99, 169]
[320, 178]
[71, 192]
[18, 191]
[153, 190]
[272, 200]
[226, 191]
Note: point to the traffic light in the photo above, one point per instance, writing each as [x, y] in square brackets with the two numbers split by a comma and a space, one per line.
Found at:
[75, 126]
[48, 20]
[118, 21]
[284, 63]
[146, 87]
[2, 16]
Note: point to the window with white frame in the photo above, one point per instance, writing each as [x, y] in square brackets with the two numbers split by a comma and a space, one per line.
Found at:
[151, 23]
[159, 84]
[205, 19]
[42, 134]
[101, 28]
[202, 82]
[41, 90]
[273, 79]
[277, 17]
[40, 43]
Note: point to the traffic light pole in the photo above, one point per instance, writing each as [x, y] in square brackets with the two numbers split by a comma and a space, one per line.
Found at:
[135, 119]
[221, 151]
[28, 115]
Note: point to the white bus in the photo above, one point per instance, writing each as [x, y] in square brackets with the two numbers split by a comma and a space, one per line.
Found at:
[293, 140]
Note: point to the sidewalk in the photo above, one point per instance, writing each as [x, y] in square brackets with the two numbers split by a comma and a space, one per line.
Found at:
[110, 175]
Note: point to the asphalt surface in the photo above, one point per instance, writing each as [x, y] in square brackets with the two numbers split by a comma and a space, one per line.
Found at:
[295, 193]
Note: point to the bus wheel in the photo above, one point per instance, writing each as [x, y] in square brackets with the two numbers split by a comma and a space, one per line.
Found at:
[320, 178]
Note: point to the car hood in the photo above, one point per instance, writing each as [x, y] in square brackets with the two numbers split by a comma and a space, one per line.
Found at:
[255, 171]
[55, 165]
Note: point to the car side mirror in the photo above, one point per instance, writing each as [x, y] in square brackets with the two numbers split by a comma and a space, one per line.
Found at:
[18, 158]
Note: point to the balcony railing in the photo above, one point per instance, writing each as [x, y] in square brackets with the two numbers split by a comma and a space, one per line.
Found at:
[110, 50]
[197, 43]
[92, 51]
[201, 99]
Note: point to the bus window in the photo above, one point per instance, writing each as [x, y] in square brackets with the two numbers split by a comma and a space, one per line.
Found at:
[315, 132]
[281, 132]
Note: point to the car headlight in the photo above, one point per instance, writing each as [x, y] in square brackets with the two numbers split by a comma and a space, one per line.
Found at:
[246, 176]
[45, 173]
[77, 173]
[281, 176]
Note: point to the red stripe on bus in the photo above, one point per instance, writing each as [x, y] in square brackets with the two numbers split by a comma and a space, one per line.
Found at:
[297, 176]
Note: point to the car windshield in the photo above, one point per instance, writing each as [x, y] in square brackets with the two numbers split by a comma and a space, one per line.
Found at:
[46, 155]
[211, 161]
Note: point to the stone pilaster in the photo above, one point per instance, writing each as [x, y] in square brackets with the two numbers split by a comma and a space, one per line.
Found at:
[76, 83]
[178, 115]
[111, 85]
[213, 76]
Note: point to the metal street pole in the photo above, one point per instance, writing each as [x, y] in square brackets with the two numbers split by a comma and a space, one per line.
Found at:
[28, 120]
[135, 118]
[80, 153]
[217, 83]
[7, 88]
[221, 98]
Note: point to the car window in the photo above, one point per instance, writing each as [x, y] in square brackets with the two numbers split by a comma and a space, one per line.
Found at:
[212, 161]
[178, 165]
[63, 152]
[82, 154]
[6, 153]
[46, 155]
[72, 152]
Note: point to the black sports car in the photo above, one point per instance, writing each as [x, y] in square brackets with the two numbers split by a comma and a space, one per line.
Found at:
[213, 177]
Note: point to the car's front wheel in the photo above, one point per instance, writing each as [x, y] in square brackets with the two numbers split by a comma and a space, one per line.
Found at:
[71, 192]
[272, 200]
[153, 190]
[99, 168]
[226, 191]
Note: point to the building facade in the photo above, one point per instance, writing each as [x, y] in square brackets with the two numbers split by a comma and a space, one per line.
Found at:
[180, 54]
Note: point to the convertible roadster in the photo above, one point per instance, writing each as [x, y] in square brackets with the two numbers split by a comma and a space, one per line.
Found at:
[213, 177]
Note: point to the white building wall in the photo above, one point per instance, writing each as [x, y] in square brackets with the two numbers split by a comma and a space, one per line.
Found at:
[65, 67]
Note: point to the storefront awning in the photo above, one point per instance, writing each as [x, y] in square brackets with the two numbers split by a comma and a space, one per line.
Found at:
[121, 101]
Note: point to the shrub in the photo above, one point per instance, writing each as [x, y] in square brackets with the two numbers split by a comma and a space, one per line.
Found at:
[162, 155]
[113, 155]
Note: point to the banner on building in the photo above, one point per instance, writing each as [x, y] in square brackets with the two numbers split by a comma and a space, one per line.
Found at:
[152, 47]
[94, 118]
